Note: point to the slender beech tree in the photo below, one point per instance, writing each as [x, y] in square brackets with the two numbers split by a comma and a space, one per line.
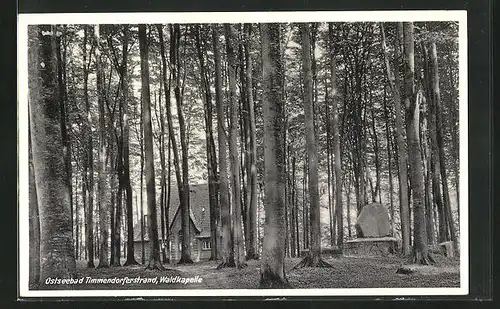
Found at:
[411, 100]
[184, 192]
[392, 76]
[313, 258]
[116, 217]
[141, 183]
[160, 121]
[126, 150]
[436, 99]
[77, 225]
[62, 98]
[389, 159]
[272, 270]
[336, 141]
[295, 207]
[348, 210]
[113, 192]
[438, 170]
[434, 153]
[168, 109]
[56, 244]
[329, 172]
[305, 208]
[227, 239]
[291, 197]
[234, 159]
[154, 258]
[163, 185]
[452, 105]
[251, 242]
[426, 160]
[210, 145]
[89, 156]
[102, 205]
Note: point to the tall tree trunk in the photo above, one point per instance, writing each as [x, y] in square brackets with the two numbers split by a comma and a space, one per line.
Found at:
[314, 257]
[403, 172]
[305, 223]
[96, 239]
[89, 157]
[85, 209]
[119, 165]
[330, 174]
[435, 165]
[357, 185]
[239, 254]
[336, 144]
[349, 231]
[329, 183]
[210, 145]
[227, 239]
[453, 107]
[114, 196]
[102, 205]
[163, 194]
[429, 215]
[167, 203]
[290, 197]
[154, 259]
[168, 108]
[115, 169]
[62, 99]
[126, 152]
[244, 137]
[420, 250]
[272, 270]
[61, 68]
[34, 222]
[184, 192]
[56, 243]
[389, 160]
[77, 223]
[295, 199]
[426, 161]
[251, 242]
[287, 192]
[377, 190]
[436, 96]
[141, 143]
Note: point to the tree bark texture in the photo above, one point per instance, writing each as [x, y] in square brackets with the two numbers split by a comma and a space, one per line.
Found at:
[56, 243]
[272, 270]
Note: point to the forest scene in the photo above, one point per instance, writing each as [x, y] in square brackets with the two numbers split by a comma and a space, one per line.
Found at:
[244, 156]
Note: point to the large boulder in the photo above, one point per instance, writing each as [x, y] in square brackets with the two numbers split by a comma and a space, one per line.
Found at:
[373, 221]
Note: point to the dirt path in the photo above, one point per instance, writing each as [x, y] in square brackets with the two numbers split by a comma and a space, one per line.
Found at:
[225, 278]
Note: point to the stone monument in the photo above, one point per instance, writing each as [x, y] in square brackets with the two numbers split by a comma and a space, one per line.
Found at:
[373, 232]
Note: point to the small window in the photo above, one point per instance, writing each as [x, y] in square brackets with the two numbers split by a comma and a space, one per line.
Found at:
[207, 245]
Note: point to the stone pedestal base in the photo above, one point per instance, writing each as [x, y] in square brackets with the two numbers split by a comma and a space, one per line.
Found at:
[382, 246]
[446, 248]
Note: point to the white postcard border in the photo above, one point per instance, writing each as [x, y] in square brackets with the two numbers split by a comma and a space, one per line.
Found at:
[235, 17]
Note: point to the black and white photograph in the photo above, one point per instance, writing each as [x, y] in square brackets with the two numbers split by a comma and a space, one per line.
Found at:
[243, 154]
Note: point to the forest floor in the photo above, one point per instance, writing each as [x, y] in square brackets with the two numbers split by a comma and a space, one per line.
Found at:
[346, 272]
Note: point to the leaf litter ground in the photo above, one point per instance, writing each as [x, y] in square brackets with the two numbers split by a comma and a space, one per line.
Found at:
[346, 272]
